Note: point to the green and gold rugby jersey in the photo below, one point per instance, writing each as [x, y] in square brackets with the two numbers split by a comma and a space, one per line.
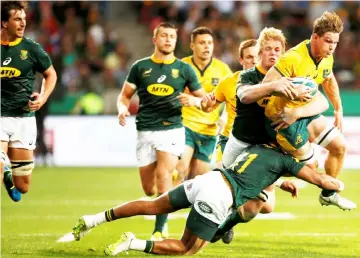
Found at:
[20, 60]
[249, 124]
[158, 83]
[257, 167]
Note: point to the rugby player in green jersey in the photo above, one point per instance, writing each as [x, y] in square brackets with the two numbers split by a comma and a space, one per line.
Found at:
[211, 197]
[21, 58]
[159, 80]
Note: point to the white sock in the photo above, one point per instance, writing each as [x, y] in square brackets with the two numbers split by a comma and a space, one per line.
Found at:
[98, 219]
[137, 244]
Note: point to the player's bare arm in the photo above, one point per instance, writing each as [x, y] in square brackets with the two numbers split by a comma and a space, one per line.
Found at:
[274, 84]
[331, 89]
[47, 87]
[318, 105]
[123, 102]
[321, 180]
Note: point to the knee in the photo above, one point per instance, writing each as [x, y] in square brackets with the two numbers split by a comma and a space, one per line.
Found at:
[267, 208]
[339, 148]
[22, 187]
[149, 190]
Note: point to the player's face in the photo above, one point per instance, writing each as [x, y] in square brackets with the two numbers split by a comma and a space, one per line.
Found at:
[203, 46]
[249, 57]
[270, 53]
[165, 40]
[326, 44]
[16, 24]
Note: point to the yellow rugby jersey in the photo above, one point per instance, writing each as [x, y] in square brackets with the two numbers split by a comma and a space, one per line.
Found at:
[298, 62]
[226, 91]
[193, 118]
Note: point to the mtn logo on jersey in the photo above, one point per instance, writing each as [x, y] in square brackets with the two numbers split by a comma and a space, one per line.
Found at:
[264, 101]
[9, 72]
[160, 89]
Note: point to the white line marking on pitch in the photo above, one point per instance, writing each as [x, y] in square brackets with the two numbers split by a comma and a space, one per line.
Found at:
[271, 216]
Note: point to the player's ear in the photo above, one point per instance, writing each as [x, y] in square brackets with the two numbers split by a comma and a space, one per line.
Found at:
[154, 40]
[4, 24]
[192, 46]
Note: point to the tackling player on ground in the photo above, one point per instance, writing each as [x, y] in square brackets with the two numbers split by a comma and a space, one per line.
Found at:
[210, 196]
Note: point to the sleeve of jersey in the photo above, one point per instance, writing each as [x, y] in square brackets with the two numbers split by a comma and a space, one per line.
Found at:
[227, 70]
[287, 64]
[192, 80]
[292, 165]
[219, 91]
[133, 75]
[245, 78]
[43, 60]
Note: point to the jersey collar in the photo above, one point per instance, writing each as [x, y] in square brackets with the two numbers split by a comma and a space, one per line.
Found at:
[12, 43]
[309, 51]
[261, 70]
[197, 67]
[158, 61]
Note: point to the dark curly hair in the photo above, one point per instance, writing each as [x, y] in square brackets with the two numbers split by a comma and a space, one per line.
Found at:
[7, 6]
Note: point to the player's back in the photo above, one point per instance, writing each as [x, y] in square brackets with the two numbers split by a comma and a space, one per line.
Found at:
[226, 91]
[193, 118]
[257, 167]
[249, 124]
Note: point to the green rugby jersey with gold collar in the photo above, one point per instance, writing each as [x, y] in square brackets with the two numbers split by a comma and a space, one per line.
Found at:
[20, 60]
[158, 83]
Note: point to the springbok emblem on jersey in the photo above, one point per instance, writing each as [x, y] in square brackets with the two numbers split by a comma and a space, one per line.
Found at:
[175, 73]
[23, 54]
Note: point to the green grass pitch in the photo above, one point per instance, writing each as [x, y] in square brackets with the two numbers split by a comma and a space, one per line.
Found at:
[59, 196]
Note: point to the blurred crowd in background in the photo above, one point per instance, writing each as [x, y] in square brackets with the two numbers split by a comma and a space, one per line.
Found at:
[91, 58]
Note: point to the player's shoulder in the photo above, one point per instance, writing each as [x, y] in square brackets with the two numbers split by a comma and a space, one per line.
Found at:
[226, 82]
[143, 60]
[187, 59]
[297, 52]
[248, 73]
[218, 63]
[30, 43]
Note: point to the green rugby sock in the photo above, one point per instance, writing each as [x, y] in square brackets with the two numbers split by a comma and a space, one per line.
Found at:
[8, 179]
[160, 222]
[327, 193]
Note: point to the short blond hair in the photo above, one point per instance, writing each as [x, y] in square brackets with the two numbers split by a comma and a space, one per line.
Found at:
[271, 34]
[164, 25]
[328, 22]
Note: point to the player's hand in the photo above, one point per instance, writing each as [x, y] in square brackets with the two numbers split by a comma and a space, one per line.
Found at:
[123, 113]
[289, 186]
[338, 120]
[286, 118]
[209, 99]
[285, 87]
[36, 101]
[186, 99]
[220, 125]
[305, 95]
